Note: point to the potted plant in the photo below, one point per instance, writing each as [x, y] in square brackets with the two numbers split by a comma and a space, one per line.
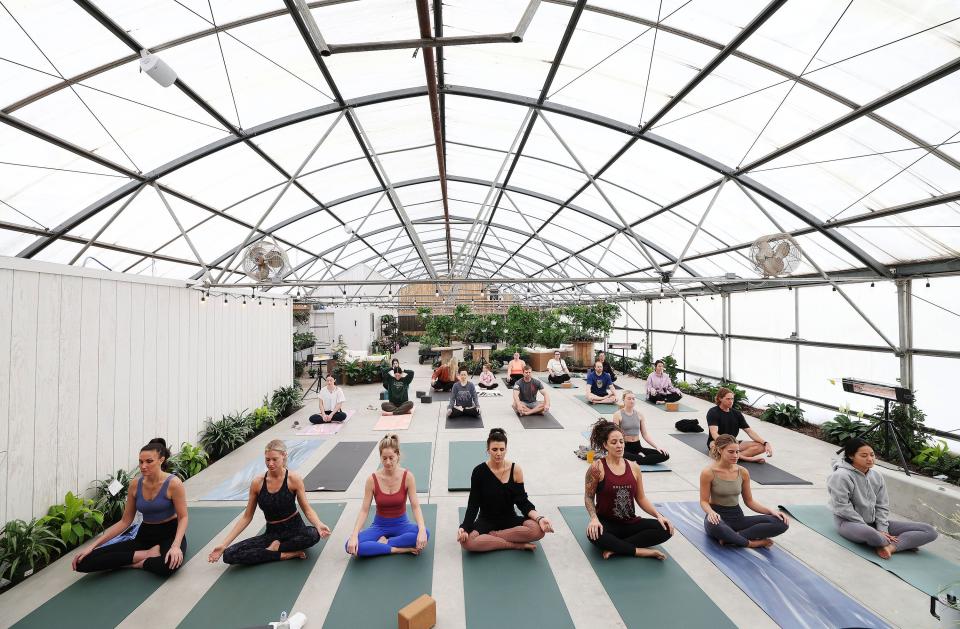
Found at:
[589, 324]
[337, 353]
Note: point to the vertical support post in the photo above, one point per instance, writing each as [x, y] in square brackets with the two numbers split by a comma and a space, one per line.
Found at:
[796, 348]
[725, 331]
[683, 339]
[649, 325]
[905, 320]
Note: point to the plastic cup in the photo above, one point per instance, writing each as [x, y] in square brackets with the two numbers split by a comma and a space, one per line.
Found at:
[590, 457]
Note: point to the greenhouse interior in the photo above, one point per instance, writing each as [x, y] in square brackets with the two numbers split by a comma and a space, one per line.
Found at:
[261, 260]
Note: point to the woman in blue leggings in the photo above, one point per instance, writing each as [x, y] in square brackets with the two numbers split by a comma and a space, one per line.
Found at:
[391, 531]
[721, 485]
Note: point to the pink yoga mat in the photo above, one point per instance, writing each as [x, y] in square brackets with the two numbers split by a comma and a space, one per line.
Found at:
[394, 422]
[324, 430]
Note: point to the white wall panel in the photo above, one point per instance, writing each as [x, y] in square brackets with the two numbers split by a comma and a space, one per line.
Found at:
[95, 364]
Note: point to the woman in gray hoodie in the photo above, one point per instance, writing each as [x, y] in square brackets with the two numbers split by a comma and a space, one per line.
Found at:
[861, 509]
[463, 397]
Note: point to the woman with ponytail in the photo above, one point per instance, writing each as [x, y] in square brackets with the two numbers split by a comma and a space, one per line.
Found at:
[391, 531]
[161, 540]
[496, 487]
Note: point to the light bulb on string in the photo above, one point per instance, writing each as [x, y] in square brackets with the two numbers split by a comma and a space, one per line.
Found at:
[203, 298]
[928, 282]
[224, 300]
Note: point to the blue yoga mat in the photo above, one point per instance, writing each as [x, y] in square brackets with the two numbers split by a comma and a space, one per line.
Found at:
[237, 487]
[793, 595]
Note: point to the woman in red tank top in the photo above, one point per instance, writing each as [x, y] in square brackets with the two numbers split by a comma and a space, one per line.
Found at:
[612, 486]
[391, 531]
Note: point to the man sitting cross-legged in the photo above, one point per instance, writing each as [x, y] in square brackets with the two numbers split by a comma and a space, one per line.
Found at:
[525, 395]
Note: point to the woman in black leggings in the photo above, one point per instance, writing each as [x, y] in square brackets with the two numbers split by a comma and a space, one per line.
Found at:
[277, 493]
[160, 542]
[612, 485]
[633, 426]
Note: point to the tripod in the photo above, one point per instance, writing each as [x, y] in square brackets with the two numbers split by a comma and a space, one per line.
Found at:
[890, 433]
[316, 384]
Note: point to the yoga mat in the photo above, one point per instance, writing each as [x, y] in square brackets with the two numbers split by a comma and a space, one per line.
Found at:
[463, 421]
[416, 458]
[319, 430]
[373, 589]
[922, 568]
[658, 467]
[394, 422]
[339, 467]
[104, 599]
[506, 381]
[440, 396]
[244, 595]
[683, 408]
[762, 473]
[237, 487]
[560, 386]
[793, 595]
[647, 592]
[515, 588]
[463, 457]
[545, 420]
[606, 409]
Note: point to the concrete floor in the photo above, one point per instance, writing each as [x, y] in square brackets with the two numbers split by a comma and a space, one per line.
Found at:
[554, 477]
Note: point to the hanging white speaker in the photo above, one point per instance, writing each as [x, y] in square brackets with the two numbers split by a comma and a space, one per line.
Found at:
[157, 68]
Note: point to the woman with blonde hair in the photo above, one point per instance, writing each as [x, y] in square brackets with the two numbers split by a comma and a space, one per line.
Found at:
[445, 375]
[277, 493]
[391, 531]
[721, 485]
[632, 424]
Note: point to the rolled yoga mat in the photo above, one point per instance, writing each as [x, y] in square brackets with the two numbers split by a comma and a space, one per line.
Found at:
[416, 457]
[793, 595]
[339, 467]
[244, 595]
[659, 467]
[532, 422]
[647, 592]
[104, 599]
[762, 473]
[237, 487]
[463, 457]
[605, 409]
[360, 602]
[681, 408]
[922, 568]
[511, 587]
[453, 423]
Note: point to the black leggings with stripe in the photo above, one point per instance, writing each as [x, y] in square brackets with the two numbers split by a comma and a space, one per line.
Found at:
[293, 535]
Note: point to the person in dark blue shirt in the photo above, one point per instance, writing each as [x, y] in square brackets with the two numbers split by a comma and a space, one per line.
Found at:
[600, 385]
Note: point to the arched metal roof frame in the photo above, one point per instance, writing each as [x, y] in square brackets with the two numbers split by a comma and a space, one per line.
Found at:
[867, 110]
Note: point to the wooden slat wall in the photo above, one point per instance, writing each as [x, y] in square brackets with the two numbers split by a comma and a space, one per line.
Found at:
[94, 364]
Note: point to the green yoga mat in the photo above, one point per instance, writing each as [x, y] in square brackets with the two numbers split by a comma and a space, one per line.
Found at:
[104, 599]
[464, 456]
[511, 588]
[361, 602]
[647, 592]
[922, 568]
[603, 409]
[416, 458]
[249, 595]
[682, 408]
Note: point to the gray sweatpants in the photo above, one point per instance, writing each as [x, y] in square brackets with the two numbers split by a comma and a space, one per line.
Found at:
[910, 534]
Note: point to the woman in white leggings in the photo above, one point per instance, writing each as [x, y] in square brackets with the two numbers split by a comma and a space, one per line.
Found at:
[861, 509]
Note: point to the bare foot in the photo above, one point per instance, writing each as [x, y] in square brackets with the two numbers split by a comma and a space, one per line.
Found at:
[754, 459]
[649, 552]
[412, 551]
[142, 555]
[386, 413]
[274, 545]
[760, 543]
[299, 554]
[607, 554]
[382, 539]
[530, 547]
[885, 552]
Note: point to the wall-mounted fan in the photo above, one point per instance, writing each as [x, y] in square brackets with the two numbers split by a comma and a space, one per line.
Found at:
[775, 255]
[265, 261]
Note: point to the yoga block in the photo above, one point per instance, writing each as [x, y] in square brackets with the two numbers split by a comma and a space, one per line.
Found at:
[383, 395]
[420, 614]
[426, 399]
[421, 393]
[566, 385]
[672, 407]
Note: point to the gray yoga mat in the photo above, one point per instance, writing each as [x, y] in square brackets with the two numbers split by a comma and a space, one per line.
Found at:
[546, 420]
[439, 396]
[762, 473]
[365, 601]
[922, 569]
[245, 594]
[683, 408]
[513, 588]
[339, 467]
[237, 487]
[604, 409]
[417, 458]
[647, 592]
[463, 457]
[453, 423]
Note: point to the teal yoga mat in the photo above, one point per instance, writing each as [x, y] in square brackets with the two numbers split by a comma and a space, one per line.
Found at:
[248, 595]
[683, 408]
[647, 592]
[659, 467]
[922, 568]
[603, 409]
[464, 456]
[416, 457]
[512, 588]
[104, 599]
[362, 603]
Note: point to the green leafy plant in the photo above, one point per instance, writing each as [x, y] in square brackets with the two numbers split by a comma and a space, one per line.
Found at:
[75, 520]
[303, 340]
[590, 323]
[339, 349]
[263, 416]
[106, 503]
[936, 460]
[908, 419]
[25, 547]
[189, 461]
[522, 326]
[841, 428]
[784, 414]
[298, 366]
[219, 438]
[369, 371]
[286, 400]
[552, 330]
[700, 386]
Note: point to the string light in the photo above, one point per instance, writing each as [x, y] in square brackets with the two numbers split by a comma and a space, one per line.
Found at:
[244, 301]
[928, 282]
[203, 298]
[224, 300]
[871, 284]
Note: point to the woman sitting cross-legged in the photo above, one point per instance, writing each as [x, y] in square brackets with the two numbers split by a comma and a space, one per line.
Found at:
[463, 398]
[632, 424]
[659, 387]
[331, 401]
[487, 379]
[495, 487]
[277, 493]
[445, 375]
[161, 540]
[861, 508]
[612, 485]
[721, 485]
[391, 531]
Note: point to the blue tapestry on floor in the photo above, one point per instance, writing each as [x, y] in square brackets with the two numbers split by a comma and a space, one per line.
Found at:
[237, 487]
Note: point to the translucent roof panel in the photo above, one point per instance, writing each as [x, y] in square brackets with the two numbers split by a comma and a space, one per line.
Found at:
[558, 152]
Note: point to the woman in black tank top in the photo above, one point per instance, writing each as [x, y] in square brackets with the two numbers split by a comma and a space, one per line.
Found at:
[286, 537]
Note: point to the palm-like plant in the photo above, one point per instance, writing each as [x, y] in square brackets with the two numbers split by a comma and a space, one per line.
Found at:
[24, 547]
